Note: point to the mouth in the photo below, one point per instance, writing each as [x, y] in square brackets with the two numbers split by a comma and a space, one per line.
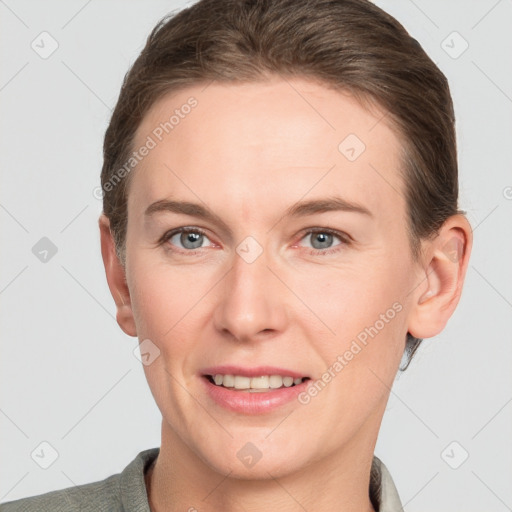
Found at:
[255, 384]
[253, 390]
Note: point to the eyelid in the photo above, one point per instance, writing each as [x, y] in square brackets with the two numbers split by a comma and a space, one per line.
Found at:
[344, 237]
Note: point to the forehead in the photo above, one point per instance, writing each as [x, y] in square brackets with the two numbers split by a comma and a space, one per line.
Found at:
[278, 139]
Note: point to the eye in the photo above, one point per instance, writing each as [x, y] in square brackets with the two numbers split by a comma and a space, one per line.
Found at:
[186, 239]
[321, 240]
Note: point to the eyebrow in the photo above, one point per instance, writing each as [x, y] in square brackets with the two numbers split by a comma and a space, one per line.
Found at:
[301, 209]
[186, 208]
[325, 205]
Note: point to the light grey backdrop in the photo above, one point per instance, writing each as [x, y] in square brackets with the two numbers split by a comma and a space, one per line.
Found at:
[69, 377]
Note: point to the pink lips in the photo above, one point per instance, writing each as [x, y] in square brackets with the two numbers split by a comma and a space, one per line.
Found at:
[245, 402]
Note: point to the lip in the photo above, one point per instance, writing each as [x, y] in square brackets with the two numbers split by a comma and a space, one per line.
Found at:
[245, 402]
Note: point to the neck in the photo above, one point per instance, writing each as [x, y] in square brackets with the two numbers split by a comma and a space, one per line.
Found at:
[180, 480]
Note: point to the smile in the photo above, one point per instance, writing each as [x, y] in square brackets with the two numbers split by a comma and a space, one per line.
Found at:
[258, 384]
[263, 398]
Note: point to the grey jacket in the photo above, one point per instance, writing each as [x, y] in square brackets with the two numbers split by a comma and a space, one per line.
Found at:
[126, 492]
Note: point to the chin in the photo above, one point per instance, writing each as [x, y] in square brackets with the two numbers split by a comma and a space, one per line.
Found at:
[252, 457]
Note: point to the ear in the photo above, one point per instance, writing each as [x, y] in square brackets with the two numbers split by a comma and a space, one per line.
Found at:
[116, 278]
[444, 264]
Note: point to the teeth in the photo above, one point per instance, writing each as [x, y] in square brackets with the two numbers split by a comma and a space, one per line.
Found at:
[228, 381]
[255, 384]
[242, 382]
[260, 382]
[288, 381]
[275, 381]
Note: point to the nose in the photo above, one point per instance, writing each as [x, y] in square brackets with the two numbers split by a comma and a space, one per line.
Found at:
[252, 301]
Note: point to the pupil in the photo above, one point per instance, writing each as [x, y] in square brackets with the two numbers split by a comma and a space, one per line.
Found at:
[325, 240]
[191, 240]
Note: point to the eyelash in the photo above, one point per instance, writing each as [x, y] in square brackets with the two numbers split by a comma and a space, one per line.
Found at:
[343, 237]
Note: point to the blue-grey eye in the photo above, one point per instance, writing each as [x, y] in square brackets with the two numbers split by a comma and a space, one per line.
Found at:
[188, 239]
[321, 240]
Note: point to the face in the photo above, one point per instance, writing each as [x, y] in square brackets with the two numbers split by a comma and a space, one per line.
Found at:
[302, 268]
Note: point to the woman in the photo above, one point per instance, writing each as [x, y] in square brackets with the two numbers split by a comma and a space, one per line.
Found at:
[280, 224]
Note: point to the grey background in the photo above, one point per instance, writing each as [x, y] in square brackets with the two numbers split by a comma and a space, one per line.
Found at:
[68, 373]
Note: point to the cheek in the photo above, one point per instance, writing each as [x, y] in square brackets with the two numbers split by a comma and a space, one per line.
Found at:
[345, 302]
[361, 358]
[162, 297]
[362, 325]
[166, 306]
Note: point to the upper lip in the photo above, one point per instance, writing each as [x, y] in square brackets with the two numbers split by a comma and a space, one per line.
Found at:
[255, 371]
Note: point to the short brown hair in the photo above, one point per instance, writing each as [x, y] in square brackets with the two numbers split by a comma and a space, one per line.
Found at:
[349, 45]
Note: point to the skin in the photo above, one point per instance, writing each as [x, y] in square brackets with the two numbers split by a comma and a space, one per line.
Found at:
[248, 152]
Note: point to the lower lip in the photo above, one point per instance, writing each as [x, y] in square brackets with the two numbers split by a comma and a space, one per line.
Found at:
[246, 402]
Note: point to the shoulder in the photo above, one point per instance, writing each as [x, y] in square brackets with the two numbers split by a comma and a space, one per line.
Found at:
[102, 495]
[122, 492]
